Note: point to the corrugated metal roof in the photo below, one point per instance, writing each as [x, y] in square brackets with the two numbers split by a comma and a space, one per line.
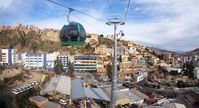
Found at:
[96, 93]
[38, 98]
[50, 105]
[126, 94]
[77, 90]
[60, 84]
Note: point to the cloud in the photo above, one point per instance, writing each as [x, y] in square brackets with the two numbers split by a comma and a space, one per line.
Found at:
[91, 25]
[169, 24]
[174, 24]
[4, 4]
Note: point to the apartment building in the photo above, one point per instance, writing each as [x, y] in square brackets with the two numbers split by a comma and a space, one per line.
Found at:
[50, 59]
[20, 58]
[64, 59]
[122, 50]
[35, 61]
[85, 63]
[103, 50]
[8, 56]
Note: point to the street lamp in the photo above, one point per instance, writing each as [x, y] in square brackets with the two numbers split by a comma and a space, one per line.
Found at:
[115, 22]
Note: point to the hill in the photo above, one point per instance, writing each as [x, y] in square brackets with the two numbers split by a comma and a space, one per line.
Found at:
[192, 52]
[26, 38]
[32, 39]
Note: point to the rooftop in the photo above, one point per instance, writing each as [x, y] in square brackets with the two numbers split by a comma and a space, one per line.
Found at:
[77, 90]
[96, 93]
[60, 84]
[38, 98]
[50, 105]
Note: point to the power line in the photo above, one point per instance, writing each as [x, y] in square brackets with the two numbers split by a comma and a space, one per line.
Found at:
[127, 10]
[110, 6]
[75, 10]
[91, 25]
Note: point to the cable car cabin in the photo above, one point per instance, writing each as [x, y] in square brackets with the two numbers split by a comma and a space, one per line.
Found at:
[72, 34]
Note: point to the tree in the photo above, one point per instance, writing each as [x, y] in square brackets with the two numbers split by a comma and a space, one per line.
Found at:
[70, 69]
[172, 72]
[188, 69]
[181, 84]
[58, 66]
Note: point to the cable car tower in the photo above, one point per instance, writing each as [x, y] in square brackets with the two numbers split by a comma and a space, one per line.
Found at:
[114, 22]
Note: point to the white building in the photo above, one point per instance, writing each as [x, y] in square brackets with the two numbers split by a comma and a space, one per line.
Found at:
[8, 56]
[64, 60]
[169, 69]
[133, 50]
[20, 59]
[50, 59]
[43, 61]
[139, 76]
[35, 61]
[196, 72]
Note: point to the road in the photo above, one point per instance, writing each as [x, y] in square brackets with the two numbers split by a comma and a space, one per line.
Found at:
[181, 99]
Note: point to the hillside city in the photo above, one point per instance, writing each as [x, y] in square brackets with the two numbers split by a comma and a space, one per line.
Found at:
[40, 73]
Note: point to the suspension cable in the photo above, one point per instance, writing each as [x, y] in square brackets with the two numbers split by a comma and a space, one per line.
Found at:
[75, 10]
[110, 7]
[91, 25]
[127, 10]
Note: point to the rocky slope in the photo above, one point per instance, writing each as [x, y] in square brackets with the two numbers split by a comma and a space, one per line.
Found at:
[29, 38]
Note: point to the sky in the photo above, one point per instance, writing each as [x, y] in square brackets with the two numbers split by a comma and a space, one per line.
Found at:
[166, 24]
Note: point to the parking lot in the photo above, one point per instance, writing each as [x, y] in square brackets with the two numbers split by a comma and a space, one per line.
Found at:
[24, 88]
[35, 77]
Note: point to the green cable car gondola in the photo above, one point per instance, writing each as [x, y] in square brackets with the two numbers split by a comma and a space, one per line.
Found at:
[72, 34]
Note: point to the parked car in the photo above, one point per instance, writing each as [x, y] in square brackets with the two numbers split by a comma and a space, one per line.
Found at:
[15, 91]
[126, 85]
[35, 83]
[22, 88]
[62, 102]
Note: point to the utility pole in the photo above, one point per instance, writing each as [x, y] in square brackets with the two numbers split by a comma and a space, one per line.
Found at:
[115, 22]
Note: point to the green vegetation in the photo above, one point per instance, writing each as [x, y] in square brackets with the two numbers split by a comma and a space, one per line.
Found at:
[182, 84]
[5, 102]
[9, 81]
[14, 38]
[2, 69]
[18, 101]
[173, 73]
[70, 69]
[32, 41]
[50, 46]
[58, 66]
[22, 100]
[188, 69]
[108, 42]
